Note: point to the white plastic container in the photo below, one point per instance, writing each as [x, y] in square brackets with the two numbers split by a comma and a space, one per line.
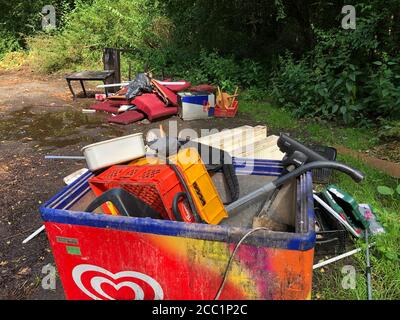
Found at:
[107, 153]
[196, 105]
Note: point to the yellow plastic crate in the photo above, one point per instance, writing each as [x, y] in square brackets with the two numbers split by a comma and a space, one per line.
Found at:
[204, 194]
[146, 160]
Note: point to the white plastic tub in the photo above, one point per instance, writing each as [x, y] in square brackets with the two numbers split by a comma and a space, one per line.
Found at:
[107, 153]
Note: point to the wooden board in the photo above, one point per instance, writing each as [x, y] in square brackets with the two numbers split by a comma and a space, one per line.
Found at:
[232, 139]
[266, 148]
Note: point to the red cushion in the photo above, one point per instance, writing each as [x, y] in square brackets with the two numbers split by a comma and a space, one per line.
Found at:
[152, 106]
[126, 117]
[178, 87]
[203, 87]
[109, 105]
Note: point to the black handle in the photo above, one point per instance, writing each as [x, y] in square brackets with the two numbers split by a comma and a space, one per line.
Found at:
[289, 145]
[126, 203]
[356, 175]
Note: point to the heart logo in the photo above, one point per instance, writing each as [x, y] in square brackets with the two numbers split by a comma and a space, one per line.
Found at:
[94, 281]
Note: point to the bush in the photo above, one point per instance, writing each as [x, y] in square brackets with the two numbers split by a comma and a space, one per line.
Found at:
[211, 67]
[8, 42]
[90, 27]
[255, 93]
[382, 93]
[347, 75]
[52, 53]
[13, 60]
[139, 25]
[390, 130]
[334, 82]
[290, 82]
[342, 90]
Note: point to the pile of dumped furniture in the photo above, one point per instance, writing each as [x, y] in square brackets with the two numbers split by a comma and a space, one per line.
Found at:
[160, 219]
[148, 98]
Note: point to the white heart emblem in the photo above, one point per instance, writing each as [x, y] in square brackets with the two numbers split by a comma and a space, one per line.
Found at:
[97, 281]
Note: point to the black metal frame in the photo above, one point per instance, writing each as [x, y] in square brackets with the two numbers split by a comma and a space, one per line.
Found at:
[101, 76]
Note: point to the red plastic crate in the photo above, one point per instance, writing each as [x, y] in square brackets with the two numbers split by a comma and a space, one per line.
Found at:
[154, 184]
[227, 113]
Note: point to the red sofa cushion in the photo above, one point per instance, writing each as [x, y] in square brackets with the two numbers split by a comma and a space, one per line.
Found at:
[152, 106]
[126, 117]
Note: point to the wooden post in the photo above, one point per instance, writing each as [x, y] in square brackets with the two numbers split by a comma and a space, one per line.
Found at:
[111, 61]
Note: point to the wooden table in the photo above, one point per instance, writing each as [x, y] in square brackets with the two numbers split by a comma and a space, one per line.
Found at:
[88, 76]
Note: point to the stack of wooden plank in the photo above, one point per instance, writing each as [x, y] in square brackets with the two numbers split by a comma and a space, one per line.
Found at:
[245, 142]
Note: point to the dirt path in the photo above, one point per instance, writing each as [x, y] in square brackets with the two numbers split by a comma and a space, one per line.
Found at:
[391, 168]
[38, 117]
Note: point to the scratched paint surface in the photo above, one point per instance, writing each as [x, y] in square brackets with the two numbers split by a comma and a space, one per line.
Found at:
[115, 264]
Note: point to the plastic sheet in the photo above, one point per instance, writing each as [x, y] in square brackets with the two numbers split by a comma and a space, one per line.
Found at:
[141, 84]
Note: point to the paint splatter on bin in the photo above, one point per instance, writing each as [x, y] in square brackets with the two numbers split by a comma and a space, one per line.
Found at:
[100, 256]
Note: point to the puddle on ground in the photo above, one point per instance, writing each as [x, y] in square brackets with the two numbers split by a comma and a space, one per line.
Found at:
[54, 128]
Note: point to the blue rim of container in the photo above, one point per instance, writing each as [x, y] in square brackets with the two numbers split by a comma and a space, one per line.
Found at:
[56, 210]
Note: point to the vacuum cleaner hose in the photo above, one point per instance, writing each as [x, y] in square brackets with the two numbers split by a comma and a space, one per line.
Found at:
[356, 175]
[353, 173]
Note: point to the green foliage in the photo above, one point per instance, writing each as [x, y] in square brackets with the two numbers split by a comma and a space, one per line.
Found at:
[22, 18]
[336, 80]
[386, 191]
[323, 89]
[218, 70]
[294, 50]
[383, 97]
[290, 82]
[208, 67]
[95, 25]
[227, 72]
[8, 43]
[390, 130]
[254, 93]
[385, 255]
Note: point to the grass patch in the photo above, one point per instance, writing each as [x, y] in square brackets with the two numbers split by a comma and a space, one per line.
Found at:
[280, 119]
[13, 60]
[385, 256]
[277, 119]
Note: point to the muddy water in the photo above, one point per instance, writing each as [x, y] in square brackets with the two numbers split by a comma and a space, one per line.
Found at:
[56, 128]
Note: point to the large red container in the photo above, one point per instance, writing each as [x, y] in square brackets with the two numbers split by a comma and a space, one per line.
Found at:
[99, 256]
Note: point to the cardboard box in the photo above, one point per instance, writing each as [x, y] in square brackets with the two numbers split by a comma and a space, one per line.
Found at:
[196, 105]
